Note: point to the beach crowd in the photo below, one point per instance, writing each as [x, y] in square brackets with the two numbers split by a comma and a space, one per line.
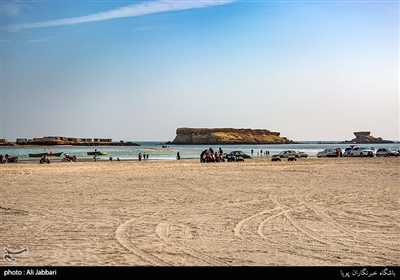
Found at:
[208, 155]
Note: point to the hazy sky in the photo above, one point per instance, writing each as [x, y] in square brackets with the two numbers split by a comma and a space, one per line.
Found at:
[138, 70]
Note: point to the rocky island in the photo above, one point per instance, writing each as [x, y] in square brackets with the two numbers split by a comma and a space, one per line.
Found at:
[200, 136]
[366, 137]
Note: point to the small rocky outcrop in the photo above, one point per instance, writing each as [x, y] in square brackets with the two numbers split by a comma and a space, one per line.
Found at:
[366, 137]
[192, 136]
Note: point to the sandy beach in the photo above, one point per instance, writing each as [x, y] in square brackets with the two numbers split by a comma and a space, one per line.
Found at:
[310, 212]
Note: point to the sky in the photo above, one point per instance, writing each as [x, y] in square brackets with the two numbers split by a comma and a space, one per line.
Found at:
[138, 70]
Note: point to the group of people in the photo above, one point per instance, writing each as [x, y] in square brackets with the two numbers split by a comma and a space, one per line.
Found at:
[144, 156]
[209, 155]
[266, 152]
[111, 159]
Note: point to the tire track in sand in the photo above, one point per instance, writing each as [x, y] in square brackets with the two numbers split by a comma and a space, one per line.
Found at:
[163, 230]
[331, 222]
[239, 227]
[297, 224]
[124, 240]
[335, 246]
[288, 245]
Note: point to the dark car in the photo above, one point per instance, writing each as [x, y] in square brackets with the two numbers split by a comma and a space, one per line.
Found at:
[238, 154]
[327, 153]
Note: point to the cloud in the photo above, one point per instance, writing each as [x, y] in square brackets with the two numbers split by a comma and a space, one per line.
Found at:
[38, 40]
[144, 8]
[13, 8]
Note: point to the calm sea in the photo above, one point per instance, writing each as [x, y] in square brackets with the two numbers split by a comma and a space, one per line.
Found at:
[156, 152]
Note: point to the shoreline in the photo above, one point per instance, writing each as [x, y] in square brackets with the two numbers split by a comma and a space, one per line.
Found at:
[105, 158]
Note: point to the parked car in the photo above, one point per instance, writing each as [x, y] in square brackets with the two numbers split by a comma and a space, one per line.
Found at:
[327, 153]
[287, 153]
[238, 154]
[347, 151]
[361, 152]
[387, 152]
[302, 154]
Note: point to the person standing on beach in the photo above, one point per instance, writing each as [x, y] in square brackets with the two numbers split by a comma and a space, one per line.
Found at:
[140, 156]
[202, 156]
[178, 156]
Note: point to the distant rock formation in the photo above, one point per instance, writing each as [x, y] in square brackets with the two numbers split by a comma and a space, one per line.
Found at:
[366, 137]
[192, 136]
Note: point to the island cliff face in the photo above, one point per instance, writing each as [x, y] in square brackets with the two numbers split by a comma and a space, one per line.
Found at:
[185, 135]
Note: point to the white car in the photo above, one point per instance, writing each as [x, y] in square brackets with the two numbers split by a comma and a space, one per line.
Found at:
[386, 152]
[361, 152]
[302, 154]
[287, 153]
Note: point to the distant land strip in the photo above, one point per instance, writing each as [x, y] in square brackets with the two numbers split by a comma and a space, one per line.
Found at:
[194, 136]
[61, 140]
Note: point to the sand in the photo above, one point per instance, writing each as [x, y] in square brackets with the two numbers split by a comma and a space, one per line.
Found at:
[311, 212]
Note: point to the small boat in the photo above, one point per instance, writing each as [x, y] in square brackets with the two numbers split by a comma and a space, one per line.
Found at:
[46, 154]
[99, 153]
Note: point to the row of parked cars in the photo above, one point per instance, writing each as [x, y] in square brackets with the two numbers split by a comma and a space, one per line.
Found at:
[356, 151]
[353, 151]
[283, 154]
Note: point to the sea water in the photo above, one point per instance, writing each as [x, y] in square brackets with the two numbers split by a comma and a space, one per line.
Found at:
[156, 151]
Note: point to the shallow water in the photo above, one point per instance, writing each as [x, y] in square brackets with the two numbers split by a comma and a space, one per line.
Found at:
[156, 152]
